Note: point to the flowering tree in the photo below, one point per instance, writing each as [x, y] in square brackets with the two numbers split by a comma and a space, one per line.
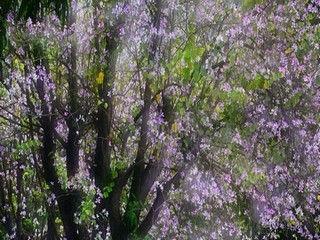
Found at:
[160, 118]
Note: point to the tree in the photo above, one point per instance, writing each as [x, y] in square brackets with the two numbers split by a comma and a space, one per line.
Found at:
[122, 117]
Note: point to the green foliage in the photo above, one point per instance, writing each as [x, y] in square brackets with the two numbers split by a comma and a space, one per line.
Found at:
[186, 62]
[25, 147]
[234, 102]
[313, 18]
[29, 9]
[28, 225]
[256, 83]
[131, 217]
[249, 4]
[87, 208]
[244, 220]
[294, 100]
[3, 91]
[107, 190]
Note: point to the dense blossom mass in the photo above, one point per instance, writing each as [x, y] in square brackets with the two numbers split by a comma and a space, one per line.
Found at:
[160, 119]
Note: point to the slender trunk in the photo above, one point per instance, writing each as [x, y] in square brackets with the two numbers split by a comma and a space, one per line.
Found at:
[67, 199]
[52, 231]
[102, 159]
[133, 208]
[73, 120]
[140, 185]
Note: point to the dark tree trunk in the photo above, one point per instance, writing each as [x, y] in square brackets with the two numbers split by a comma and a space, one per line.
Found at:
[68, 199]
[144, 178]
[102, 159]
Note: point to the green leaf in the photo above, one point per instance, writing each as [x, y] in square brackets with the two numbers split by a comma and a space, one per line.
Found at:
[105, 105]
[318, 80]
[293, 101]
[114, 174]
[107, 190]
[271, 26]
[256, 83]
[186, 73]
[147, 75]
